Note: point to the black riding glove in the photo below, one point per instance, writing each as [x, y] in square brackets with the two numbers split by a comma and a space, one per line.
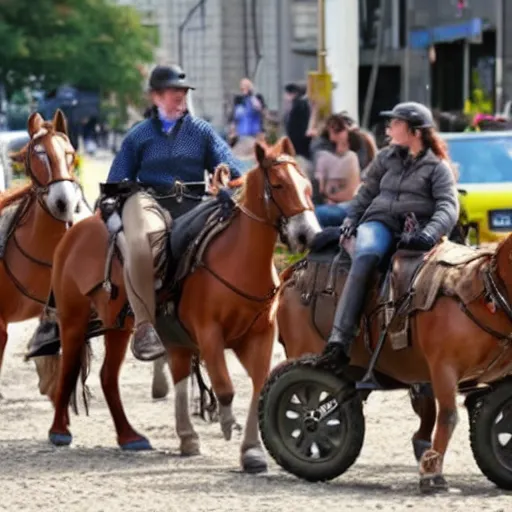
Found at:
[348, 229]
[416, 242]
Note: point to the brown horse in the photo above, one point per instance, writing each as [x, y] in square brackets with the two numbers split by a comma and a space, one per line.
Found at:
[459, 323]
[236, 281]
[34, 218]
[300, 336]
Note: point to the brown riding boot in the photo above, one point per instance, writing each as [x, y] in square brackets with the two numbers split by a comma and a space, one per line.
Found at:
[146, 344]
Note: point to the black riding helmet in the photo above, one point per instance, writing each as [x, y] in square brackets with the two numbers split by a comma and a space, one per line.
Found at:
[167, 77]
[416, 114]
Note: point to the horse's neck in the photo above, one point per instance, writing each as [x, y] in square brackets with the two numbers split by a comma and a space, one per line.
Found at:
[504, 264]
[40, 230]
[257, 239]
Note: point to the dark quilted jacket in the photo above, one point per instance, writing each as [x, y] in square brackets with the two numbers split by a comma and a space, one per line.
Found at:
[396, 184]
[156, 158]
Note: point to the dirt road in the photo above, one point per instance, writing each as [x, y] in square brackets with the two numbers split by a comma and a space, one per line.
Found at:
[94, 475]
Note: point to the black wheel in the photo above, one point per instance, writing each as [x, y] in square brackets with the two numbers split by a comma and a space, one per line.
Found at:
[311, 422]
[491, 434]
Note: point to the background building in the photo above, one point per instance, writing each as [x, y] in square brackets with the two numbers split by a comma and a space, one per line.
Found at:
[434, 51]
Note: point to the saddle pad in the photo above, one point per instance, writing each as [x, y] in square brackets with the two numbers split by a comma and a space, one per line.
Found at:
[7, 216]
[186, 228]
[449, 253]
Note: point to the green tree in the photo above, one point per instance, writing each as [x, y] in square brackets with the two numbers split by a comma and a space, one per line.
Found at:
[87, 43]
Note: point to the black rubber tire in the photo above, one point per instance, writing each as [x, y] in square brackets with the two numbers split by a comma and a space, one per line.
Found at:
[280, 379]
[482, 416]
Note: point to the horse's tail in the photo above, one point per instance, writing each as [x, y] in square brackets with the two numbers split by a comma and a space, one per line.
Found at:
[85, 368]
[207, 399]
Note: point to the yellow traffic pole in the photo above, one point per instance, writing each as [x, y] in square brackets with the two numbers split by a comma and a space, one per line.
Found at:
[320, 82]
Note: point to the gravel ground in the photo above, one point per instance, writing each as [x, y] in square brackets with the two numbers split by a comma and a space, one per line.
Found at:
[94, 475]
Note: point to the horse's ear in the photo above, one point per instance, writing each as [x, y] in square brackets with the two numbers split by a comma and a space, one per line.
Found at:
[286, 146]
[35, 123]
[59, 122]
[260, 151]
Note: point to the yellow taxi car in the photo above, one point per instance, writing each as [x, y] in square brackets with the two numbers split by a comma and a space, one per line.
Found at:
[484, 163]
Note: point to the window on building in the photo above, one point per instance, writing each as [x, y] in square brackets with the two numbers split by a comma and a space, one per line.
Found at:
[369, 13]
[305, 22]
[394, 23]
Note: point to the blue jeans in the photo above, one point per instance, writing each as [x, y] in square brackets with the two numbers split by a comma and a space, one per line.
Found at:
[373, 238]
[331, 214]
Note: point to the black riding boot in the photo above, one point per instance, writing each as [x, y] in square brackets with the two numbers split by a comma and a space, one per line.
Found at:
[348, 313]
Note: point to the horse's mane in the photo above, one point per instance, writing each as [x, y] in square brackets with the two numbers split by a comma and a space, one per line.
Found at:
[241, 191]
[272, 152]
[10, 196]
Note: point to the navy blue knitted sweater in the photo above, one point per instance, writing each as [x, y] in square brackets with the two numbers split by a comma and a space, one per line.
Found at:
[155, 158]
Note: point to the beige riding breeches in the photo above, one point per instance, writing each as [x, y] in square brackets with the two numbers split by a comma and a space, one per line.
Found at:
[145, 224]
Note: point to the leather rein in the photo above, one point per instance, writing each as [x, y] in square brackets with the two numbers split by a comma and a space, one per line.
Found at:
[494, 295]
[279, 225]
[37, 192]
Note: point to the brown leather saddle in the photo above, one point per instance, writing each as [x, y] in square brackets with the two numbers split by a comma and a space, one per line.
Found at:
[196, 220]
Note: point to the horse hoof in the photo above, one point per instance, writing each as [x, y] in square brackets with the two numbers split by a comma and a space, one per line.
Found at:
[159, 390]
[190, 447]
[433, 484]
[60, 439]
[420, 446]
[254, 461]
[139, 445]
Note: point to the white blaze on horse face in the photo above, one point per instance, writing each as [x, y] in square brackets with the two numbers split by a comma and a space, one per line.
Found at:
[302, 227]
[63, 199]
[63, 196]
[59, 146]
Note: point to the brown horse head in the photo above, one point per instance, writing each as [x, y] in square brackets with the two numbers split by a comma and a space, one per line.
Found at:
[504, 265]
[49, 162]
[284, 193]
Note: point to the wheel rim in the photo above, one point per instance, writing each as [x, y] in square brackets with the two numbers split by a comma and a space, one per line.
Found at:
[311, 421]
[502, 435]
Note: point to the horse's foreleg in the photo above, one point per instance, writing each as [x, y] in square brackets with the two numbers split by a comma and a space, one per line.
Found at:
[180, 364]
[424, 405]
[444, 384]
[116, 342]
[211, 344]
[72, 343]
[160, 386]
[3, 343]
[255, 353]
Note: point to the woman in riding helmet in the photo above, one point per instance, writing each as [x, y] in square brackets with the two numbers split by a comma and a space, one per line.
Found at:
[409, 176]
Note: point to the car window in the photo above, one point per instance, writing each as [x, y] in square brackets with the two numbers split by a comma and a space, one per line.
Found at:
[482, 160]
[16, 145]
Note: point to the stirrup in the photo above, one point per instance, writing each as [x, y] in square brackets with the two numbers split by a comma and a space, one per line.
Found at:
[369, 382]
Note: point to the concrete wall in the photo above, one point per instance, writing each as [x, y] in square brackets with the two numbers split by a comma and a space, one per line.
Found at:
[216, 55]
